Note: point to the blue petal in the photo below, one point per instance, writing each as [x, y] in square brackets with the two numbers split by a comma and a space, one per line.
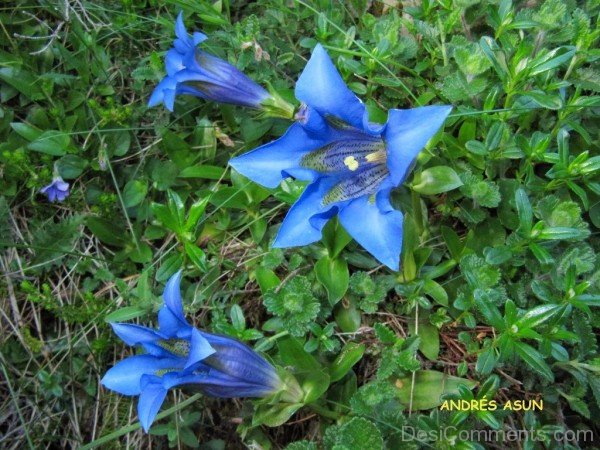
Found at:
[312, 122]
[200, 349]
[238, 360]
[220, 81]
[169, 98]
[180, 30]
[172, 297]
[269, 164]
[184, 42]
[170, 325]
[174, 62]
[305, 220]
[407, 132]
[125, 376]
[159, 93]
[135, 334]
[53, 194]
[376, 226]
[321, 86]
[218, 384]
[61, 184]
[151, 399]
[198, 38]
[182, 34]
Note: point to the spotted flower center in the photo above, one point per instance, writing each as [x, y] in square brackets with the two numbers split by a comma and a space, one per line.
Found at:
[359, 161]
[178, 347]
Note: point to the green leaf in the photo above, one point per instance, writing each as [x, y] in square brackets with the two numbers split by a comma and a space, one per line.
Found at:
[196, 211]
[314, 384]
[538, 315]
[486, 361]
[494, 55]
[476, 147]
[429, 387]
[435, 291]
[334, 275]
[237, 317]
[107, 231]
[26, 131]
[562, 233]
[350, 354]
[335, 238]
[178, 150]
[356, 434]
[436, 180]
[429, 343]
[71, 166]
[205, 172]
[524, 211]
[51, 142]
[544, 100]
[534, 359]
[163, 214]
[453, 242]
[134, 193]
[274, 415]
[541, 254]
[169, 266]
[551, 60]
[196, 255]
[23, 81]
[266, 279]
[489, 310]
[125, 314]
[293, 354]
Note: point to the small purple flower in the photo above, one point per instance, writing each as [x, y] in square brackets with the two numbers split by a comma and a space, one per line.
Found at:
[58, 190]
[195, 72]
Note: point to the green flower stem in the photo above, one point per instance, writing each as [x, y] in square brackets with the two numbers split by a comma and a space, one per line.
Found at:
[322, 411]
[129, 428]
[275, 106]
[267, 341]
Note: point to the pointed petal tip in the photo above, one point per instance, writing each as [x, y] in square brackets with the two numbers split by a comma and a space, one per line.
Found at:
[149, 404]
[180, 30]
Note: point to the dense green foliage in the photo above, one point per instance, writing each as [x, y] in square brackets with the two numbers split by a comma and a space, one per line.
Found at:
[499, 288]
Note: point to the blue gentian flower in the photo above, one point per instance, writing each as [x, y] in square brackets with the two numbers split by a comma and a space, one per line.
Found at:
[178, 354]
[351, 164]
[194, 72]
[58, 190]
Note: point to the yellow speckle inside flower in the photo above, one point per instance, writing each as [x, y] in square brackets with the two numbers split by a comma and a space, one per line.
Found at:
[351, 163]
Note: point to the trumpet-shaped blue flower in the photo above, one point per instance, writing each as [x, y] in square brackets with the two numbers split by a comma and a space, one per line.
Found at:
[194, 72]
[178, 354]
[351, 164]
[58, 190]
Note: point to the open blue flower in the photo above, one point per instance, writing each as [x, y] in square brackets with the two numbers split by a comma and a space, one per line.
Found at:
[178, 354]
[352, 165]
[194, 72]
[58, 190]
